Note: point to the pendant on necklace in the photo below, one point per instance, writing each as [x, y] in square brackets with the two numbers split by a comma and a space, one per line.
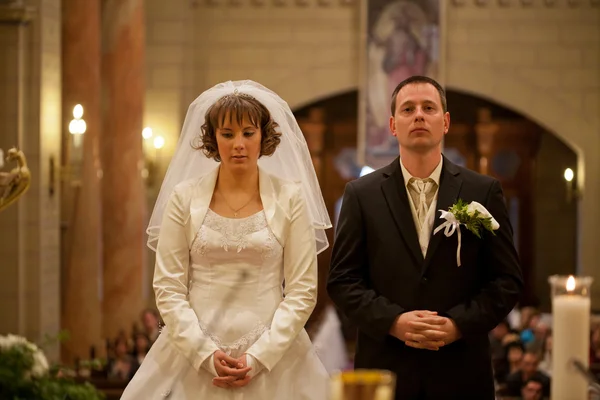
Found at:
[234, 215]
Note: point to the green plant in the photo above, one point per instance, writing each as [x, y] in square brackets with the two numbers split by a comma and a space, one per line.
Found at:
[26, 375]
[96, 363]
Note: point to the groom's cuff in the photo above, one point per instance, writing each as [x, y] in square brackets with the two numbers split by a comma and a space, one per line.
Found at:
[460, 323]
[387, 322]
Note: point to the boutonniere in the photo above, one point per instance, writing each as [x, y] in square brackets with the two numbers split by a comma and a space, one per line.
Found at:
[473, 216]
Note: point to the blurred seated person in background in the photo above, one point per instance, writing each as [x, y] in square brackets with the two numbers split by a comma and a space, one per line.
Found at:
[595, 345]
[530, 318]
[497, 336]
[123, 366]
[151, 324]
[546, 355]
[529, 369]
[511, 337]
[526, 314]
[540, 332]
[510, 361]
[533, 389]
[141, 346]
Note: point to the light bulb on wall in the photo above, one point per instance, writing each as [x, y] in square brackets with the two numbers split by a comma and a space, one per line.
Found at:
[78, 111]
[569, 175]
[572, 192]
[152, 158]
[77, 126]
[159, 142]
[147, 132]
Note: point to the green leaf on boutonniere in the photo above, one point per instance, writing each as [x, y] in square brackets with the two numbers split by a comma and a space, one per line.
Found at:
[473, 222]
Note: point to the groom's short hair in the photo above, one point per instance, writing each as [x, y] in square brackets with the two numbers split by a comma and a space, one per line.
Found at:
[420, 79]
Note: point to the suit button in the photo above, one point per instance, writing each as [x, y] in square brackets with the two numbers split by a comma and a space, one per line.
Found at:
[424, 279]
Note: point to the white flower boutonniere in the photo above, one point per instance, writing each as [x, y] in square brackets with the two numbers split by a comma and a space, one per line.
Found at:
[473, 216]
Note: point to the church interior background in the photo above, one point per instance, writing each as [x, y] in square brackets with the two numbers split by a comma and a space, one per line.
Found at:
[523, 85]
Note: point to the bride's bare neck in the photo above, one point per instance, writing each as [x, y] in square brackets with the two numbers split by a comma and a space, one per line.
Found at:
[237, 182]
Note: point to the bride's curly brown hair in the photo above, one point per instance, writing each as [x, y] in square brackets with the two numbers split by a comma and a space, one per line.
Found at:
[238, 106]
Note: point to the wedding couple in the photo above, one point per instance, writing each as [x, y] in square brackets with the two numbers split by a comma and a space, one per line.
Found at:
[239, 222]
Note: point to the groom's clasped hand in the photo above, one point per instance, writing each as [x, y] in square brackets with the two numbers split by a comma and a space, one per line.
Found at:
[233, 372]
[424, 330]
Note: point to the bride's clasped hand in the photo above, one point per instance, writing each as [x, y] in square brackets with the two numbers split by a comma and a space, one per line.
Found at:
[233, 372]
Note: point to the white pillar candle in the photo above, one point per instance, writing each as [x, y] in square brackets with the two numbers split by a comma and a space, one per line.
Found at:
[570, 339]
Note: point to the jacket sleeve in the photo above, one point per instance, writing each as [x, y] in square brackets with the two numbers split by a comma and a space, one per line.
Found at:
[504, 282]
[348, 283]
[171, 286]
[300, 273]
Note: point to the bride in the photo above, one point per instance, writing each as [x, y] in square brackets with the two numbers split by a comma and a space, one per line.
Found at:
[237, 227]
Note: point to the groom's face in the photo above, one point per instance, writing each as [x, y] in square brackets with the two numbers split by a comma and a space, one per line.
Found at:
[419, 121]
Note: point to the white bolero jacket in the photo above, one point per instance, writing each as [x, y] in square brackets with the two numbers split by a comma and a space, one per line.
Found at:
[288, 219]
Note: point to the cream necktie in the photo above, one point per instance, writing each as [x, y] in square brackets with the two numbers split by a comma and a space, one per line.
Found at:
[422, 188]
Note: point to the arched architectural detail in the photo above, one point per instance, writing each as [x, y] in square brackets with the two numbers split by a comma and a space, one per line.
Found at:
[507, 89]
[298, 97]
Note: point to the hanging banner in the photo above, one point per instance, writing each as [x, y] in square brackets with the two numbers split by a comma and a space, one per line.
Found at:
[401, 38]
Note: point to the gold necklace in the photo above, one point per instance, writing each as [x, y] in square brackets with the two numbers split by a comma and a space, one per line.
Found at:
[235, 212]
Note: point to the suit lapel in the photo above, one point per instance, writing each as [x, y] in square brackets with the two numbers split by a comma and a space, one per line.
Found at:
[450, 183]
[396, 197]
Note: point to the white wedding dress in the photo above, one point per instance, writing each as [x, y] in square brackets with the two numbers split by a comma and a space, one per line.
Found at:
[236, 276]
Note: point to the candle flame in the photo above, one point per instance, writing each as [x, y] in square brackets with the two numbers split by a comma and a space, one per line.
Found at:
[571, 283]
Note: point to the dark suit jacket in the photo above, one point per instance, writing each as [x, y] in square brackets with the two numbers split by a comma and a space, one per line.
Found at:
[378, 272]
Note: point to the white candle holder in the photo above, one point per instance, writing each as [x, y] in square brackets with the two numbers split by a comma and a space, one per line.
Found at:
[571, 310]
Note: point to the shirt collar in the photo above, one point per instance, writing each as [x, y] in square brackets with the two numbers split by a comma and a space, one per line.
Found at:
[435, 175]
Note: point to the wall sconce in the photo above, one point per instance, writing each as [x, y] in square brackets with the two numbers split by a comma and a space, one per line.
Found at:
[147, 132]
[159, 143]
[152, 149]
[77, 126]
[69, 172]
[572, 192]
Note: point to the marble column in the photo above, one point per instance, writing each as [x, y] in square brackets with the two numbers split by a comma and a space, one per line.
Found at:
[14, 34]
[124, 211]
[82, 253]
[30, 109]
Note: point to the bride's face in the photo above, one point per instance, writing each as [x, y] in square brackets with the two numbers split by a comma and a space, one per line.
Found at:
[239, 144]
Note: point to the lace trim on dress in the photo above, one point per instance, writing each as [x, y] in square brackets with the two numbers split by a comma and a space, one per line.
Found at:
[270, 249]
[200, 243]
[238, 347]
[234, 233]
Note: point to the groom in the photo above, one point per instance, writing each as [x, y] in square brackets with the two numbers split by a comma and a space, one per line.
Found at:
[420, 314]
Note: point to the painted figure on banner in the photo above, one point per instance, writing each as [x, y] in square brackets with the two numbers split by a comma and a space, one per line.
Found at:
[402, 42]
